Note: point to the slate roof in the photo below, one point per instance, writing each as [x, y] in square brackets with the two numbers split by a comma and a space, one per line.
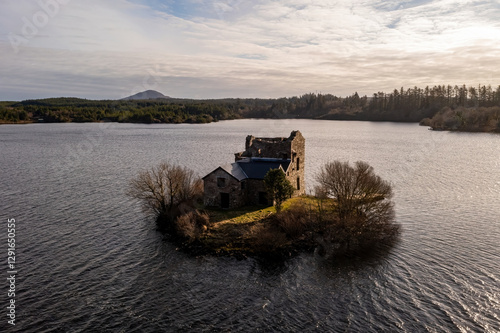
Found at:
[234, 170]
[257, 168]
[253, 168]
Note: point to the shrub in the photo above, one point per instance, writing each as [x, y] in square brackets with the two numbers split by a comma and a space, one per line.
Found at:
[295, 221]
[278, 187]
[267, 239]
[191, 225]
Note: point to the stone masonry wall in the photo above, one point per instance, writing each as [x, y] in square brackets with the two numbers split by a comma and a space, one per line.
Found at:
[254, 186]
[296, 170]
[247, 192]
[212, 197]
[292, 148]
[266, 147]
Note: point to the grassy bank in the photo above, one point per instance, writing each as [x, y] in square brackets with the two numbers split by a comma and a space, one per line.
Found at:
[304, 224]
[237, 231]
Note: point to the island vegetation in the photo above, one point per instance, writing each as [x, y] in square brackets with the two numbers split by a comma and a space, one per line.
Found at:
[278, 187]
[350, 213]
[483, 119]
[401, 105]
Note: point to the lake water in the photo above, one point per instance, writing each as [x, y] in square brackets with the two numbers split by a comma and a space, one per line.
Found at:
[88, 260]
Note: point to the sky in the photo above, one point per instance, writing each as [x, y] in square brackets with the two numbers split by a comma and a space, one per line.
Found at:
[199, 49]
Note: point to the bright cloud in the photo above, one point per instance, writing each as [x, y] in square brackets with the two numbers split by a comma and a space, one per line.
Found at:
[236, 48]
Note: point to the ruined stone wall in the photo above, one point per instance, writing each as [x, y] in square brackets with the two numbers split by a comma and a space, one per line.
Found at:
[273, 148]
[292, 148]
[266, 147]
[298, 149]
[212, 195]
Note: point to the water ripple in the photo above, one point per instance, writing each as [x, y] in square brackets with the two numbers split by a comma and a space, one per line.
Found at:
[91, 262]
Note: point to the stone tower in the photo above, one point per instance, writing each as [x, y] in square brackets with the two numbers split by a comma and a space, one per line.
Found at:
[292, 148]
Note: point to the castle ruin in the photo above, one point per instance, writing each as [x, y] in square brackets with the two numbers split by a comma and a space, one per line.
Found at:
[241, 183]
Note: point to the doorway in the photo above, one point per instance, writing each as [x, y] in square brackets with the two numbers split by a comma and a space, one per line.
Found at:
[224, 200]
[263, 198]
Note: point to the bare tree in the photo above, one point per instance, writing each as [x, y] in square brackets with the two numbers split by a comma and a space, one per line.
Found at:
[364, 211]
[163, 189]
[357, 189]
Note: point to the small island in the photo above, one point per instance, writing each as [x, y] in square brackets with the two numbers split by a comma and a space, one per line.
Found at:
[257, 206]
[461, 119]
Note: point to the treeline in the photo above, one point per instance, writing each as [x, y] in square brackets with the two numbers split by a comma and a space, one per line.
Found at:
[140, 111]
[459, 108]
[309, 106]
[415, 104]
[401, 105]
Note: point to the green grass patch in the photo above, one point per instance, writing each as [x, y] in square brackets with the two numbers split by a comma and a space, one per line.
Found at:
[240, 215]
[253, 214]
[232, 230]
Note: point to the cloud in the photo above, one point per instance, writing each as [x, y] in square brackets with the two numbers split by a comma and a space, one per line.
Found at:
[234, 48]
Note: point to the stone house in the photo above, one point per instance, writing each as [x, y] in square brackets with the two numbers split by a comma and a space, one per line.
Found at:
[241, 183]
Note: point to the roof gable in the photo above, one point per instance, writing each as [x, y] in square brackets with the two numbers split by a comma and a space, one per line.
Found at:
[235, 170]
[223, 169]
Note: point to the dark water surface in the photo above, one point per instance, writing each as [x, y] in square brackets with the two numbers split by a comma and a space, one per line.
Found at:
[88, 260]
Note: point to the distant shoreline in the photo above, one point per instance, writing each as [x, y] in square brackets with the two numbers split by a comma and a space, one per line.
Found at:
[458, 108]
[422, 123]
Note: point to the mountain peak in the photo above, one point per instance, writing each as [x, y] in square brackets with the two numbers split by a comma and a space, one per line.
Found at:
[148, 94]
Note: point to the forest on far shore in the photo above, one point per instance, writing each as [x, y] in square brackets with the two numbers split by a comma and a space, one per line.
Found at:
[443, 107]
